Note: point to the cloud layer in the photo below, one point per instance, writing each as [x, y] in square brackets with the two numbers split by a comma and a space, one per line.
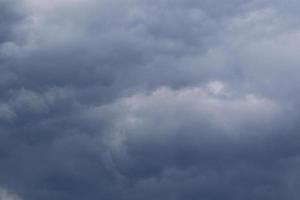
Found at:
[142, 99]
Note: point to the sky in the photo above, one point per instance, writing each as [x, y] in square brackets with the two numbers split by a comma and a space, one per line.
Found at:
[152, 100]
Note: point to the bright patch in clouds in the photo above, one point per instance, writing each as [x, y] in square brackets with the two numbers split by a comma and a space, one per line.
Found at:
[6, 195]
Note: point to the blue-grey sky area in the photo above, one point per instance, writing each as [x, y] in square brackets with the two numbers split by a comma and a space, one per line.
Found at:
[149, 100]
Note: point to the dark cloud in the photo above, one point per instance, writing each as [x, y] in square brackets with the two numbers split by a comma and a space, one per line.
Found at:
[149, 100]
[9, 16]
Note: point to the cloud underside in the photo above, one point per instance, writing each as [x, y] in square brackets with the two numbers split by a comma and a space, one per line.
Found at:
[164, 100]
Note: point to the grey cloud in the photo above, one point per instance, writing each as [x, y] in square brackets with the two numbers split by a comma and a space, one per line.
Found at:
[8, 18]
[149, 100]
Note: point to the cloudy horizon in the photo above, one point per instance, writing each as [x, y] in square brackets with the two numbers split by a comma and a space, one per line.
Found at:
[153, 100]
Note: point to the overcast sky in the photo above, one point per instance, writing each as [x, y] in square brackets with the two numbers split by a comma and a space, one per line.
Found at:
[149, 100]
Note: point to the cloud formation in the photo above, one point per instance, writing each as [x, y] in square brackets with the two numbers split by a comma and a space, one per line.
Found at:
[142, 99]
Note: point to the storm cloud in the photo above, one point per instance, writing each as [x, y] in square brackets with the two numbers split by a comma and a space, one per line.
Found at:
[154, 100]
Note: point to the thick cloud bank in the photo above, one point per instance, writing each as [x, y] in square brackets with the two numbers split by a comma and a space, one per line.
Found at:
[154, 100]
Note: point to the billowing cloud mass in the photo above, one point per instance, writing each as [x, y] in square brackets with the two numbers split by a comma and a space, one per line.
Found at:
[153, 100]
